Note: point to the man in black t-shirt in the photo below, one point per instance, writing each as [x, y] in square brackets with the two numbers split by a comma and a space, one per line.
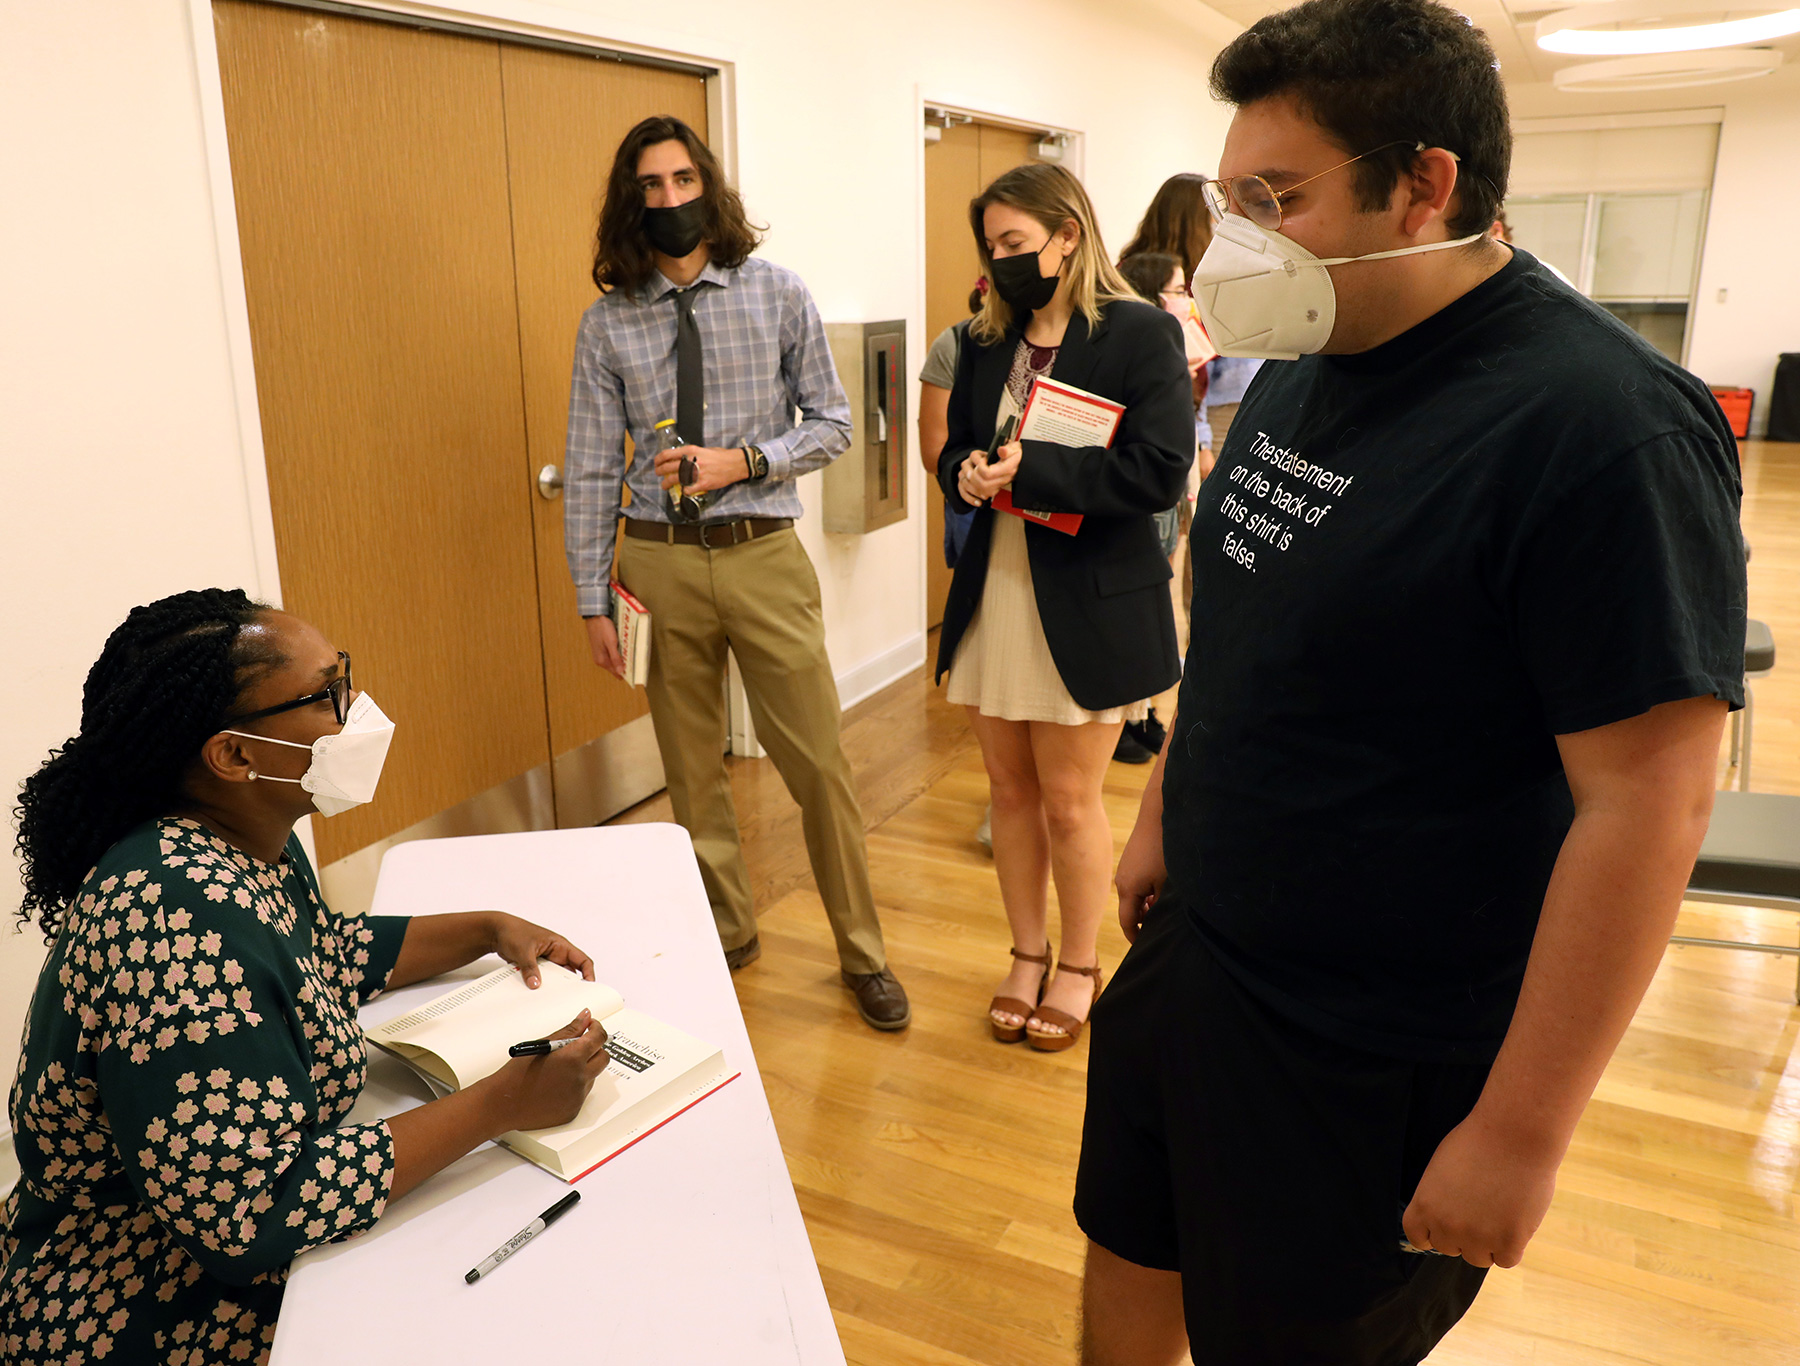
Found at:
[1468, 617]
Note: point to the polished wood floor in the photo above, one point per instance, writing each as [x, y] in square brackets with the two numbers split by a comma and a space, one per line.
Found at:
[935, 1168]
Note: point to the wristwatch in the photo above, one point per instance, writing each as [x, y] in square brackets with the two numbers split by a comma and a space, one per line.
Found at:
[756, 463]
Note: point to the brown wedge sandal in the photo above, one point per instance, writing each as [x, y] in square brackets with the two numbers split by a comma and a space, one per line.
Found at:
[1056, 1043]
[1012, 1005]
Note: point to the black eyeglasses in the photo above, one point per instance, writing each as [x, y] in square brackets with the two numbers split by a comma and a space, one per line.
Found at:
[338, 690]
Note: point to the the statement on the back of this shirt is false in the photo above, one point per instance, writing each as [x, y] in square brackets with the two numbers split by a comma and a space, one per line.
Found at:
[1268, 507]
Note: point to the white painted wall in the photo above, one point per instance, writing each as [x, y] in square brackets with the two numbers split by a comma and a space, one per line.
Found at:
[123, 468]
[122, 476]
[1755, 203]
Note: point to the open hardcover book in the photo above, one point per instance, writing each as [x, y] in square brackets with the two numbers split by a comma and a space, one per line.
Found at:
[656, 1071]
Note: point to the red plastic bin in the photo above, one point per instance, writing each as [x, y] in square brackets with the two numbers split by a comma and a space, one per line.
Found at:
[1735, 403]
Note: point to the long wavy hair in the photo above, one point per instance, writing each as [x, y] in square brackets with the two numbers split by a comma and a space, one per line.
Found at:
[1177, 222]
[622, 255]
[1051, 196]
[166, 681]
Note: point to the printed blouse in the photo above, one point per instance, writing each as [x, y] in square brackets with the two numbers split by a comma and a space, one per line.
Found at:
[189, 1055]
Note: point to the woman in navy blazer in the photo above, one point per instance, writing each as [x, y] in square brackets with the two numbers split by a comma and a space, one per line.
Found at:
[1052, 640]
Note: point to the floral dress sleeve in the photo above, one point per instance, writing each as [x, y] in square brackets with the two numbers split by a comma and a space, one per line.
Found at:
[233, 1056]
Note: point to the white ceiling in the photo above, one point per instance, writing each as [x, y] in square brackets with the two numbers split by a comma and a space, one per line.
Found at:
[1509, 26]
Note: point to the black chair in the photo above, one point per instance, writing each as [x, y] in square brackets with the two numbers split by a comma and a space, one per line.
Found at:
[1784, 399]
[1759, 660]
[1751, 857]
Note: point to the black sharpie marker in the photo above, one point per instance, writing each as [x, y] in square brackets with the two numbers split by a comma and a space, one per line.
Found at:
[524, 1236]
[536, 1048]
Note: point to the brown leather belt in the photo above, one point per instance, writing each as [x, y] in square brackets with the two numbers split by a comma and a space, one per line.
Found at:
[709, 535]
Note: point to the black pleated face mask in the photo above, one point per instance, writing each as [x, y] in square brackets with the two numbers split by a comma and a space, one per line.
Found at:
[678, 230]
[1021, 282]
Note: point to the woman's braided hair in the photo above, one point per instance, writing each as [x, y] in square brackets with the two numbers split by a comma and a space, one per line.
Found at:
[167, 679]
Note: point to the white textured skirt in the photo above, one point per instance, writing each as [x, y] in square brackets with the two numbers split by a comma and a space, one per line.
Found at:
[1003, 666]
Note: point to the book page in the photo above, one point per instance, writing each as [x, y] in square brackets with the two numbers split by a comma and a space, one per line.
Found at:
[469, 1030]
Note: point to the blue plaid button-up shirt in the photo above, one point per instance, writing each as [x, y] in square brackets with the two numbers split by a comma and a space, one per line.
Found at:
[765, 355]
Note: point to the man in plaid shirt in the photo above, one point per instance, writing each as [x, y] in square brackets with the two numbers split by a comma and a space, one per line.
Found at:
[691, 326]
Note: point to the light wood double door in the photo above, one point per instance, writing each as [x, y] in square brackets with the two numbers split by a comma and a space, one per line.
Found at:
[416, 211]
[958, 166]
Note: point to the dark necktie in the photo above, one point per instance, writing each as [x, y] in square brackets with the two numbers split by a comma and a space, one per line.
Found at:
[690, 384]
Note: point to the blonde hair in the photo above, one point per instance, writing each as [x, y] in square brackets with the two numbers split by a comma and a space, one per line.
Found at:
[1052, 197]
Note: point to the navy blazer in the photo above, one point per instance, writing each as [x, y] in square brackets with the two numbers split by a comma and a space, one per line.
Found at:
[1102, 593]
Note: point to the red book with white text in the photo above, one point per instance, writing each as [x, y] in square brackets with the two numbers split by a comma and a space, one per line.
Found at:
[631, 620]
[1064, 416]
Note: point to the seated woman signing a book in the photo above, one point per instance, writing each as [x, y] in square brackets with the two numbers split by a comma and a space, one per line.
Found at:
[192, 1048]
[1059, 626]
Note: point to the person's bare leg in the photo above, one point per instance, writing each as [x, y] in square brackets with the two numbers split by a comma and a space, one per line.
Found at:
[1021, 847]
[1130, 1315]
[1071, 769]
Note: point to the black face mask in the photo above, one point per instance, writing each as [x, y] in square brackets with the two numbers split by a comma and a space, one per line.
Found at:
[1022, 283]
[677, 231]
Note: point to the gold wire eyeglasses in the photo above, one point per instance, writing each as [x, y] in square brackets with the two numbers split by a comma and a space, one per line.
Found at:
[1260, 202]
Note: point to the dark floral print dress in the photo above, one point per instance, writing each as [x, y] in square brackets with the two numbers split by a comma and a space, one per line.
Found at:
[189, 1053]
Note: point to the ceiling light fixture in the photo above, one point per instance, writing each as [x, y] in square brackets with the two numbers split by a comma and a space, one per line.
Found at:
[1665, 72]
[1578, 31]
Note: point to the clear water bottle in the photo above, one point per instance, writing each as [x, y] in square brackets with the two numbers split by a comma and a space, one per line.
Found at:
[683, 505]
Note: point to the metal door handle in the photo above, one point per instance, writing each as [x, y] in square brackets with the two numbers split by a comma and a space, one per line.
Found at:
[550, 482]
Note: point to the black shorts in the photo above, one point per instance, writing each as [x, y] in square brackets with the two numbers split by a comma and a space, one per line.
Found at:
[1265, 1163]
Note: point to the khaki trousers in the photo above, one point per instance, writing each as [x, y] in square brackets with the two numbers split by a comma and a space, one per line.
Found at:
[760, 599]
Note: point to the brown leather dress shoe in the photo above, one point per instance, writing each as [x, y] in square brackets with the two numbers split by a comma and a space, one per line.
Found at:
[880, 999]
[744, 954]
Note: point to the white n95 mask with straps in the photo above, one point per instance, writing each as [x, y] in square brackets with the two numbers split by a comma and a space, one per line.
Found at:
[346, 766]
[1264, 295]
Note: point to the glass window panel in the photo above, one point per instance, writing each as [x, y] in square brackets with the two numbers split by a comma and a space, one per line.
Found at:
[1647, 246]
[1664, 326]
[1612, 160]
[1551, 228]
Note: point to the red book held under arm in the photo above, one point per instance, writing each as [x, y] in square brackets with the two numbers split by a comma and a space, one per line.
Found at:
[1064, 416]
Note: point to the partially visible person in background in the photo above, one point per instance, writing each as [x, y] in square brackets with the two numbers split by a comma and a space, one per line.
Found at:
[1228, 379]
[1177, 222]
[1158, 277]
[936, 378]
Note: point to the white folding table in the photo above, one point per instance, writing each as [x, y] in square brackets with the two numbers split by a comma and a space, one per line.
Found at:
[686, 1248]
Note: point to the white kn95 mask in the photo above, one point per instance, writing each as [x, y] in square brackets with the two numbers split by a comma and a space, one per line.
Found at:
[1264, 295]
[346, 766]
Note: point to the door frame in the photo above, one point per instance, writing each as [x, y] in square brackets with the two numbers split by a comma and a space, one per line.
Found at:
[522, 21]
[926, 98]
